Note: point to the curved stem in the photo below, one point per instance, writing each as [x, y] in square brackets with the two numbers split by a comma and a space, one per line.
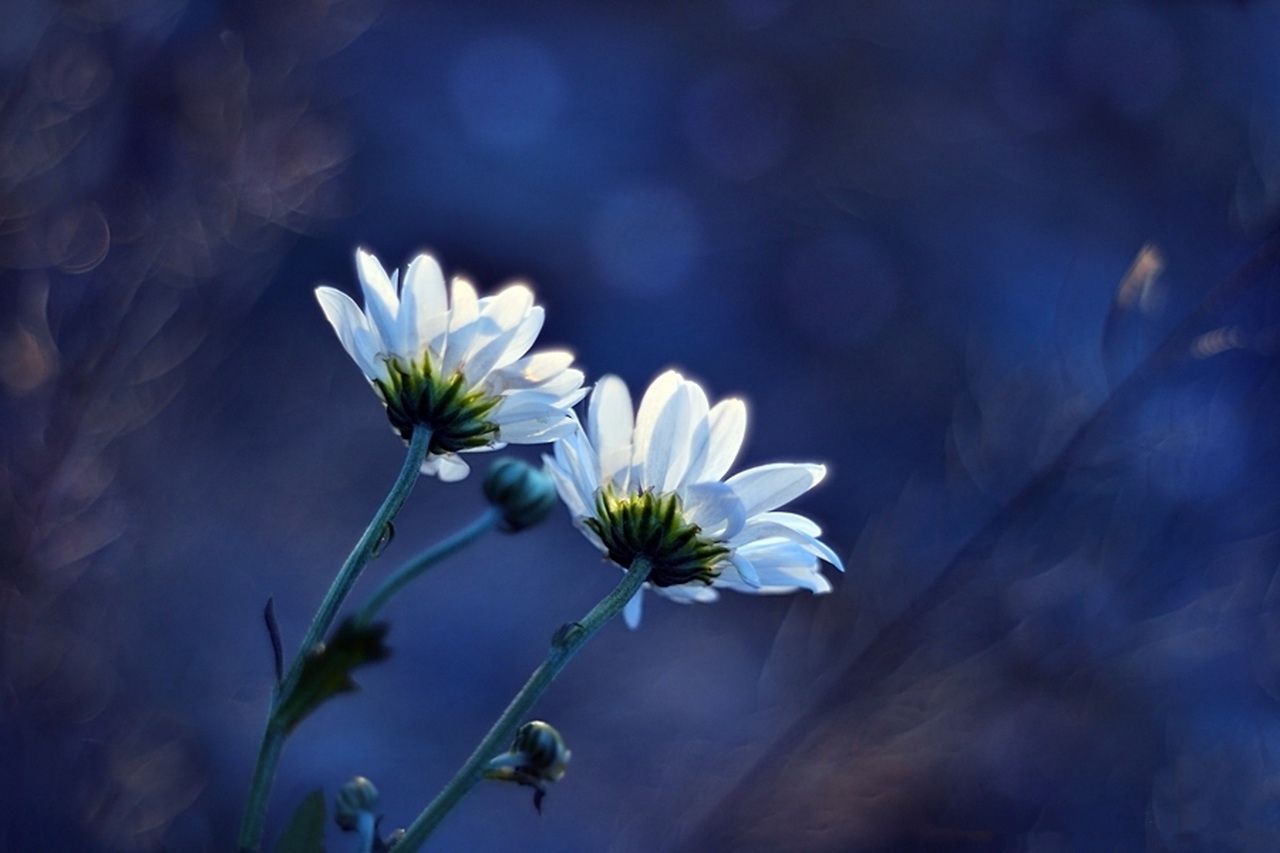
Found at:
[362, 553]
[264, 773]
[274, 735]
[483, 523]
[564, 646]
[366, 828]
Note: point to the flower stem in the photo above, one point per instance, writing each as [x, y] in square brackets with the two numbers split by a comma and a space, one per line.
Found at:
[273, 736]
[483, 523]
[264, 773]
[366, 828]
[566, 643]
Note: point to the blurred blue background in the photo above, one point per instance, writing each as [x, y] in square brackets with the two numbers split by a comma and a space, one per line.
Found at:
[1004, 266]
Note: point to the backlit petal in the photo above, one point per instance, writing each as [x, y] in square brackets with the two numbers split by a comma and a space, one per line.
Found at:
[352, 328]
[422, 301]
[651, 406]
[610, 426]
[770, 486]
[380, 300]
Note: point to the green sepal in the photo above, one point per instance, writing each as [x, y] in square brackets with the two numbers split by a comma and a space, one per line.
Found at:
[416, 395]
[305, 832]
[327, 670]
[652, 525]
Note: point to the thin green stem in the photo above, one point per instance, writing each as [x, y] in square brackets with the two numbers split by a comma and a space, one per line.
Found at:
[483, 523]
[366, 829]
[564, 646]
[362, 553]
[264, 772]
[274, 734]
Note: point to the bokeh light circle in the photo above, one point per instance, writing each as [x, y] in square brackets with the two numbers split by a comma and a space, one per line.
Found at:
[739, 122]
[645, 240]
[508, 90]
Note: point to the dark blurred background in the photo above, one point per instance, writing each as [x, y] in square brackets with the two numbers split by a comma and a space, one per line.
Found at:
[1003, 264]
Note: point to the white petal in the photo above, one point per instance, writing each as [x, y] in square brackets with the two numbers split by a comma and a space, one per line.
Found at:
[610, 423]
[522, 405]
[567, 385]
[353, 330]
[537, 432]
[494, 337]
[435, 336]
[422, 302]
[566, 485]
[793, 520]
[784, 567]
[715, 508]
[668, 458]
[526, 333]
[449, 467]
[745, 570]
[770, 486]
[575, 460]
[652, 404]
[783, 581]
[699, 437]
[727, 426]
[509, 307]
[688, 593]
[464, 306]
[485, 341]
[758, 528]
[537, 368]
[463, 313]
[380, 300]
[631, 610]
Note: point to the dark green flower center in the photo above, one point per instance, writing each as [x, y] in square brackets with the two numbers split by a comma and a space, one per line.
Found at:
[653, 526]
[416, 395]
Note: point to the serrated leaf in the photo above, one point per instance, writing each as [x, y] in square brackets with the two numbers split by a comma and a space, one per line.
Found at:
[327, 671]
[305, 832]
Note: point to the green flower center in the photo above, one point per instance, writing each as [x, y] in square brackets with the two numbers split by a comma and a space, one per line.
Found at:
[416, 395]
[653, 526]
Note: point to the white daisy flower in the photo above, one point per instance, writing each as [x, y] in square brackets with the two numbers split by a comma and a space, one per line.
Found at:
[454, 365]
[652, 485]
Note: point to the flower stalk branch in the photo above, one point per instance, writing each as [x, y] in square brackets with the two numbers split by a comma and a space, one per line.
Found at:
[276, 730]
[566, 643]
[485, 522]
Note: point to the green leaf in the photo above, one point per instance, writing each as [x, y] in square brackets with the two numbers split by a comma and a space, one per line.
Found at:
[305, 832]
[327, 671]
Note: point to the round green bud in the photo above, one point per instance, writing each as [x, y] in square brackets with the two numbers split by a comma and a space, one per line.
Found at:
[525, 494]
[537, 755]
[544, 751]
[357, 796]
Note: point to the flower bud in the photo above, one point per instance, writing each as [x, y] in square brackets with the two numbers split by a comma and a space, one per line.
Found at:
[356, 797]
[525, 494]
[538, 755]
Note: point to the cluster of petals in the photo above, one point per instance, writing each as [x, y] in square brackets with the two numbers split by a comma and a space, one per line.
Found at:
[486, 340]
[676, 443]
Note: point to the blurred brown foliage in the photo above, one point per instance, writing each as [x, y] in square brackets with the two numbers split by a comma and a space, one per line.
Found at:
[1094, 668]
[151, 178]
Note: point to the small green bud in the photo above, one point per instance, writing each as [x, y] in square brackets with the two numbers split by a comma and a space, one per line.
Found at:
[538, 755]
[356, 797]
[525, 494]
